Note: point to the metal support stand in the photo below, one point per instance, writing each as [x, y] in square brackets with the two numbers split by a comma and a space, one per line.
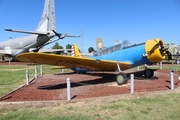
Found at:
[132, 84]
[68, 89]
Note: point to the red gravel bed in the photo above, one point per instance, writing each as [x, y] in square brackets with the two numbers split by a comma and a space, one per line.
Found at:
[53, 86]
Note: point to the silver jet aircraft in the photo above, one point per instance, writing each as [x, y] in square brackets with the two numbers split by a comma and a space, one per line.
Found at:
[42, 36]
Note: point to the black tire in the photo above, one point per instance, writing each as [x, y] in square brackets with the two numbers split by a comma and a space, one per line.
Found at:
[121, 78]
[148, 73]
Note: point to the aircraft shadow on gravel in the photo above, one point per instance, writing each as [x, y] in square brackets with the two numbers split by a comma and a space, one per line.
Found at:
[106, 78]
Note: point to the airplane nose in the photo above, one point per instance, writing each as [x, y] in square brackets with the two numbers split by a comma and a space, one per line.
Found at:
[155, 50]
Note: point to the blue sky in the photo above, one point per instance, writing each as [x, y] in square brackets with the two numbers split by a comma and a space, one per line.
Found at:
[132, 20]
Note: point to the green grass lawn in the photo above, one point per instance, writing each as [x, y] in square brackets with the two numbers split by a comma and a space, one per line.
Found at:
[152, 108]
[13, 76]
[161, 107]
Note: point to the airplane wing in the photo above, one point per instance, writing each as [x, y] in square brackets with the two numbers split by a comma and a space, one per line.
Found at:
[52, 50]
[73, 62]
[28, 32]
[59, 67]
[5, 52]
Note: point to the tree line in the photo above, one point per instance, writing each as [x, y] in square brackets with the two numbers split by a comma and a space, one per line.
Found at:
[68, 46]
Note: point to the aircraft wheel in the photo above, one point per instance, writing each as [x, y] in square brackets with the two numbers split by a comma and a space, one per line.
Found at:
[121, 78]
[148, 73]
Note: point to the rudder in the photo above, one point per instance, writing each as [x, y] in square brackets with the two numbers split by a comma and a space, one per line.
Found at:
[75, 51]
[47, 22]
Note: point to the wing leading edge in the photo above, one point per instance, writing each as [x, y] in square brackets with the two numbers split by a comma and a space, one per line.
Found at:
[73, 62]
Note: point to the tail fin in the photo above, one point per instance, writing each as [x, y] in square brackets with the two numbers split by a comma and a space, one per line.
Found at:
[99, 43]
[75, 51]
[47, 22]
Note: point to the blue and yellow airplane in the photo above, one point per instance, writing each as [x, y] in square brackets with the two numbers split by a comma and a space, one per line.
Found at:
[119, 57]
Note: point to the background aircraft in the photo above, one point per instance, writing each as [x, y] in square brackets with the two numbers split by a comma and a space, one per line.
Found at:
[99, 43]
[174, 50]
[116, 58]
[42, 36]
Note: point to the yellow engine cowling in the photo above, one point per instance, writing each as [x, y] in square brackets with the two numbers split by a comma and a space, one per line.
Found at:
[153, 50]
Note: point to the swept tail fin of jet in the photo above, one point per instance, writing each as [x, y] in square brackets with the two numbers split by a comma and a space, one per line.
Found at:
[75, 51]
[48, 21]
[47, 24]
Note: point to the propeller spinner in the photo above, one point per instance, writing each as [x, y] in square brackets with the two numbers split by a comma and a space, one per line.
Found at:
[164, 49]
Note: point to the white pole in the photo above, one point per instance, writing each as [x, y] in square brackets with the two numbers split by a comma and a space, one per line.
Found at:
[161, 65]
[27, 77]
[157, 64]
[9, 62]
[172, 80]
[68, 89]
[178, 62]
[132, 83]
[40, 69]
[62, 71]
[35, 72]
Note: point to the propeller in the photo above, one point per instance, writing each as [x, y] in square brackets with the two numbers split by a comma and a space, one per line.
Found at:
[61, 36]
[164, 49]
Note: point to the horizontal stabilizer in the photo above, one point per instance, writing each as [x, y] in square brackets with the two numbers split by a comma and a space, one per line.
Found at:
[28, 32]
[72, 36]
[61, 36]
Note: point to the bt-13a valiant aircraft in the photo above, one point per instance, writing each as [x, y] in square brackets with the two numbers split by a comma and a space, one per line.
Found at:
[42, 36]
[119, 57]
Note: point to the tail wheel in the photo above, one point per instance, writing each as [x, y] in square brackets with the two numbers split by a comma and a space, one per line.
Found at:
[148, 73]
[121, 78]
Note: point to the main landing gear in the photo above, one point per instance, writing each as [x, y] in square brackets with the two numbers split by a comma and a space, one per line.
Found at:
[122, 78]
[148, 73]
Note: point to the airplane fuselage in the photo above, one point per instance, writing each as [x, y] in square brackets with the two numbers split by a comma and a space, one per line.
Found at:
[37, 39]
[135, 54]
[20, 45]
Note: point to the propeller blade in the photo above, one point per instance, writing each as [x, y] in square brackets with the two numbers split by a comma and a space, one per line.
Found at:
[165, 49]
